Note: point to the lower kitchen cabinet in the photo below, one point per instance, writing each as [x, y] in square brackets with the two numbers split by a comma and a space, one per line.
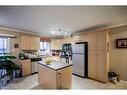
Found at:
[92, 64]
[97, 65]
[101, 67]
[52, 79]
[64, 78]
[26, 67]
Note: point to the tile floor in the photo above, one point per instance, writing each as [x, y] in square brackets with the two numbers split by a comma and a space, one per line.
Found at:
[31, 82]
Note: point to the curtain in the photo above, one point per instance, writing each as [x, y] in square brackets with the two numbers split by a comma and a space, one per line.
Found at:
[45, 39]
[45, 43]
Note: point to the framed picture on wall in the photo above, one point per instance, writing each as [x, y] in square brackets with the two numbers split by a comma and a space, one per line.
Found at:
[121, 43]
[16, 45]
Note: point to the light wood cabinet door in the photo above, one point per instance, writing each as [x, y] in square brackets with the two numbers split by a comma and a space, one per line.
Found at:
[76, 39]
[30, 43]
[35, 43]
[51, 79]
[25, 42]
[92, 40]
[97, 56]
[92, 64]
[101, 65]
[26, 67]
[64, 78]
[56, 44]
[47, 77]
[101, 40]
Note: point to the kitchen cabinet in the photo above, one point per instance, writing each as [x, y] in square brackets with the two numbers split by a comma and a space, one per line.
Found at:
[26, 67]
[56, 44]
[101, 40]
[64, 78]
[80, 38]
[25, 42]
[92, 64]
[101, 65]
[30, 42]
[66, 40]
[34, 43]
[55, 76]
[98, 55]
[92, 41]
[97, 40]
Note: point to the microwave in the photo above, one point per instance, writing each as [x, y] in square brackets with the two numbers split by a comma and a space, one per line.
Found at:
[66, 47]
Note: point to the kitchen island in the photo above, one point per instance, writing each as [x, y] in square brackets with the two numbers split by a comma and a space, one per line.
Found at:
[56, 75]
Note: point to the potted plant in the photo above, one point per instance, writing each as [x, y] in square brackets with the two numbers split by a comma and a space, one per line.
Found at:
[7, 67]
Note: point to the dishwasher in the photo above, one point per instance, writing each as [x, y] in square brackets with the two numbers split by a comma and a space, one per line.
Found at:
[35, 64]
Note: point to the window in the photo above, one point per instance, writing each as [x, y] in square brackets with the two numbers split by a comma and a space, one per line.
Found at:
[44, 46]
[4, 45]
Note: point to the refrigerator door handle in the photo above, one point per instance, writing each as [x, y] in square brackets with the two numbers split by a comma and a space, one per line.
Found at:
[72, 56]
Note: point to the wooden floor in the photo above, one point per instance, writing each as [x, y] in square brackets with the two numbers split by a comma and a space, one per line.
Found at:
[31, 82]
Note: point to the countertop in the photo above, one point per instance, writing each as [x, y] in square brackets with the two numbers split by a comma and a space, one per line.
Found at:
[38, 57]
[31, 58]
[55, 65]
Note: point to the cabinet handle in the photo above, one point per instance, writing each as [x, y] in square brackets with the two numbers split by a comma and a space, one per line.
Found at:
[60, 87]
[59, 73]
[108, 47]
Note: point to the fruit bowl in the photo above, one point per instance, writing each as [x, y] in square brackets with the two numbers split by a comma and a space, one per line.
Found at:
[48, 62]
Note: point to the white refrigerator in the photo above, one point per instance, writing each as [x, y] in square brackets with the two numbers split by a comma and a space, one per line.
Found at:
[79, 59]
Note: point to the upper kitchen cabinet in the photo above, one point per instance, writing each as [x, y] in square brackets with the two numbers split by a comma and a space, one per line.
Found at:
[101, 40]
[25, 42]
[35, 43]
[30, 42]
[98, 40]
[80, 38]
[92, 40]
[56, 44]
[67, 40]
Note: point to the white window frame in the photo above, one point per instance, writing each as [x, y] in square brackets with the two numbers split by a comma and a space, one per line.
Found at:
[8, 44]
[42, 47]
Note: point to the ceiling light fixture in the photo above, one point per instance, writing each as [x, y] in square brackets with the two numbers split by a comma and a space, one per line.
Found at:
[65, 33]
[60, 32]
[53, 32]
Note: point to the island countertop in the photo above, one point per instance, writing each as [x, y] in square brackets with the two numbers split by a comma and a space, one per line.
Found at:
[55, 65]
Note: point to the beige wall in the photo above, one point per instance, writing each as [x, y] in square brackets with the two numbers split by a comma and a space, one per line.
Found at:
[118, 58]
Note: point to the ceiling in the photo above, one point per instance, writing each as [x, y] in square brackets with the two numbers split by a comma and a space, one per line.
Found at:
[44, 19]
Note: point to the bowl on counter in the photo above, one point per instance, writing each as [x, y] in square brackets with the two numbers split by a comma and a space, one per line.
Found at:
[48, 61]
